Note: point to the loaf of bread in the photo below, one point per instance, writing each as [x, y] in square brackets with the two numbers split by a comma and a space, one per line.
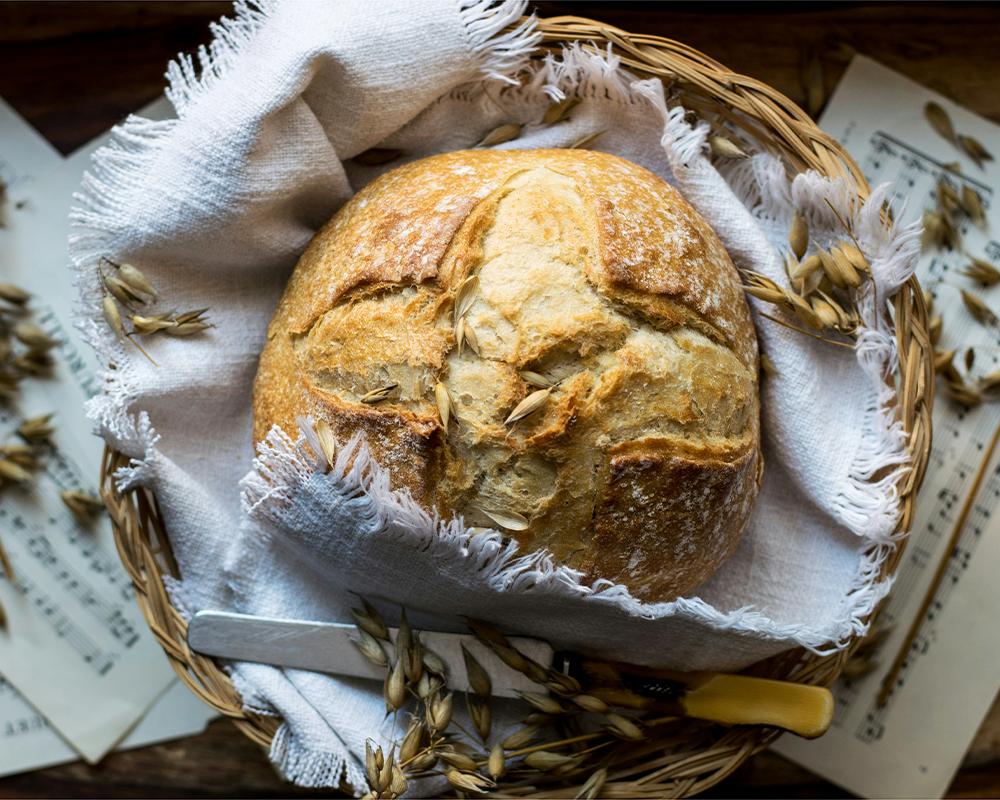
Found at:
[578, 322]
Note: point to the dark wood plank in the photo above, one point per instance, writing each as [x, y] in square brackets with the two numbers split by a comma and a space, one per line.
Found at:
[75, 68]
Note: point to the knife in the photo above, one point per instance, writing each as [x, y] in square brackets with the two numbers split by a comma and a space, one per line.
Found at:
[327, 647]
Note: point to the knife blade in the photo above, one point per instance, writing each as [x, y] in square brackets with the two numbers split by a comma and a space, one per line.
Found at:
[327, 647]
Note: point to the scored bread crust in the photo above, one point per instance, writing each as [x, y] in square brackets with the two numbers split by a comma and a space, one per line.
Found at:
[642, 464]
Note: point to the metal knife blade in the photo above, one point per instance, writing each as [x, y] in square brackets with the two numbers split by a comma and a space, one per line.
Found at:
[327, 647]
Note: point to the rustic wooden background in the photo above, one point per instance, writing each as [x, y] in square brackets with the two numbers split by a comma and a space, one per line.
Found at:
[73, 69]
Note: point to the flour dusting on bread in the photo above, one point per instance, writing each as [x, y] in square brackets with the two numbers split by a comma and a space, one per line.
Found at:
[639, 463]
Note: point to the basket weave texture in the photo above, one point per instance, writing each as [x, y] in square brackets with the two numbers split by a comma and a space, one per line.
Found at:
[675, 760]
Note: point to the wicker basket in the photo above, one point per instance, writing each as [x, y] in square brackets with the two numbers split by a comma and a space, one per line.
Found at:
[678, 761]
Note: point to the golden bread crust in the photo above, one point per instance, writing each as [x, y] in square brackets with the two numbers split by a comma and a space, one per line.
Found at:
[641, 465]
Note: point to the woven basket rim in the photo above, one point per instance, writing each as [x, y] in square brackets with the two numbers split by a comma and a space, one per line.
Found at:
[144, 547]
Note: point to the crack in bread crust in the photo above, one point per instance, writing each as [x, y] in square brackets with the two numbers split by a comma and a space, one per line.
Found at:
[641, 466]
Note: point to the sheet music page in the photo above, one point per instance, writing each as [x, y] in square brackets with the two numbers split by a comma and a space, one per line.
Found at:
[912, 746]
[28, 742]
[76, 646]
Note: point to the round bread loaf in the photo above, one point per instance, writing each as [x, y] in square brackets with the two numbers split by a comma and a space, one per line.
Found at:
[473, 279]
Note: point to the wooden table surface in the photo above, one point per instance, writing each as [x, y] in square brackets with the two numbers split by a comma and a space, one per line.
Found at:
[74, 69]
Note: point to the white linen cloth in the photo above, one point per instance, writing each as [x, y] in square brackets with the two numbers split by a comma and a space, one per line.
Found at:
[215, 207]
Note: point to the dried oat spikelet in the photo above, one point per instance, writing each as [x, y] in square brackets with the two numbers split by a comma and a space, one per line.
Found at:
[404, 635]
[21, 454]
[725, 148]
[468, 781]
[433, 663]
[806, 275]
[943, 359]
[496, 765]
[825, 312]
[520, 738]
[459, 760]
[962, 393]
[135, 280]
[623, 727]
[557, 112]
[804, 311]
[443, 399]
[590, 703]
[9, 471]
[379, 394]
[482, 716]
[979, 310]
[112, 316]
[940, 121]
[33, 362]
[122, 293]
[536, 379]
[149, 325]
[798, 235]
[82, 505]
[982, 272]
[854, 255]
[466, 296]
[327, 442]
[14, 295]
[595, 783]
[189, 323]
[974, 150]
[500, 134]
[543, 702]
[373, 764]
[562, 683]
[370, 648]
[439, 711]
[36, 429]
[529, 405]
[972, 205]
[763, 288]
[368, 619]
[479, 678]
[510, 520]
[948, 198]
[832, 271]
[990, 382]
[470, 336]
[34, 337]
[412, 741]
[839, 269]
[545, 761]
[397, 781]
[394, 690]
[939, 231]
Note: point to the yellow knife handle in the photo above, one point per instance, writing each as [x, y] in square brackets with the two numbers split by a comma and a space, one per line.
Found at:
[743, 700]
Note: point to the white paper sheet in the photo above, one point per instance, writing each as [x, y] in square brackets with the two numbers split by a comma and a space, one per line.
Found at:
[913, 745]
[76, 647]
[28, 742]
